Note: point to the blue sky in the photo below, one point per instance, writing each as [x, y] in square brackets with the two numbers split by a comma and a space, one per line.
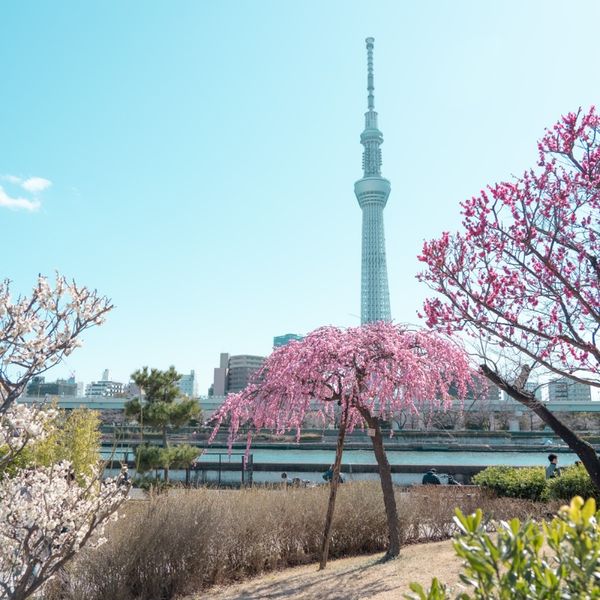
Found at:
[202, 155]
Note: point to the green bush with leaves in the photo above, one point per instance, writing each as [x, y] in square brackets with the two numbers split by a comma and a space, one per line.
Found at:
[527, 561]
[72, 436]
[148, 458]
[181, 457]
[154, 457]
[573, 481]
[523, 482]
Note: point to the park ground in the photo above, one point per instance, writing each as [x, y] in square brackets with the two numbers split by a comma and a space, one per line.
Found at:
[355, 578]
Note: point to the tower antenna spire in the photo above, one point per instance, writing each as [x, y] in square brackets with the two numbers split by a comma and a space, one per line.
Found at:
[370, 85]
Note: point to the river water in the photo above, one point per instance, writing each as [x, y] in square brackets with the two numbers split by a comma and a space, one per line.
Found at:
[427, 458]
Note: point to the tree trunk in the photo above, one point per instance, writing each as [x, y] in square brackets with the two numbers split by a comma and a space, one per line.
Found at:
[165, 446]
[333, 487]
[584, 451]
[387, 487]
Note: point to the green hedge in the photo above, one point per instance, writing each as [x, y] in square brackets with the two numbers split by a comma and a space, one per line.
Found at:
[526, 482]
[573, 481]
[530, 483]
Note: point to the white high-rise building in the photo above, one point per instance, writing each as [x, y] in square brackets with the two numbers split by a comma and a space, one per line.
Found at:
[104, 387]
[109, 389]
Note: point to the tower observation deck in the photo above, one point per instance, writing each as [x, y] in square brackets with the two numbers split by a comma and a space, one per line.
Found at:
[372, 192]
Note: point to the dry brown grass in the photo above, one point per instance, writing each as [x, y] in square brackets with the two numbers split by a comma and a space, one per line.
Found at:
[179, 543]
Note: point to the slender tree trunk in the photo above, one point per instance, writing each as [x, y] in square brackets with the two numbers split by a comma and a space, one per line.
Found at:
[165, 446]
[584, 451]
[333, 487]
[387, 487]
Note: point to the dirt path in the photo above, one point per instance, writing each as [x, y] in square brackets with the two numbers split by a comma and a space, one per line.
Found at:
[354, 578]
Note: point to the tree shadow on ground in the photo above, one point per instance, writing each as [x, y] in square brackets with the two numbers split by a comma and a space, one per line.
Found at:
[337, 584]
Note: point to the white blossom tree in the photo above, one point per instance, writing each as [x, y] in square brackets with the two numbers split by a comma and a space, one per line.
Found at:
[46, 513]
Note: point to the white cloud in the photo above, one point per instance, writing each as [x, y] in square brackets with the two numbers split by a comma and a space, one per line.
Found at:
[36, 184]
[12, 179]
[33, 185]
[18, 203]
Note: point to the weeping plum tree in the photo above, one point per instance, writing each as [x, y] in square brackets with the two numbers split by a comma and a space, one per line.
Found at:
[359, 375]
[522, 275]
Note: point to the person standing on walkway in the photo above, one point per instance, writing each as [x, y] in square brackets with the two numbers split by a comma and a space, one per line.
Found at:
[552, 470]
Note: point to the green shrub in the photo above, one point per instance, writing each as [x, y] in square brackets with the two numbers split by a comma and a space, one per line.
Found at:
[516, 565]
[573, 481]
[148, 458]
[153, 457]
[182, 456]
[73, 436]
[515, 482]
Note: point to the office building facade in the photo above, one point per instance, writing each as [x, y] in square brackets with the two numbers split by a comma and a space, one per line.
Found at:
[234, 373]
[564, 389]
[188, 384]
[40, 388]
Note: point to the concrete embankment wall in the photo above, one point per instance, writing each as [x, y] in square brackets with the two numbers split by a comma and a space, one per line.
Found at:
[463, 472]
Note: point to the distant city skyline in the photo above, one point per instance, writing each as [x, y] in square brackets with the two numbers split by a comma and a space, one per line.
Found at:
[195, 161]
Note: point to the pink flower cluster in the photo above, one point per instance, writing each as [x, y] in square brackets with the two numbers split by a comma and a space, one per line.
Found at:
[524, 271]
[382, 367]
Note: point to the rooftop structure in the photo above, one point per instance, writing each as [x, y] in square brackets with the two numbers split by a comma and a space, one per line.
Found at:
[282, 340]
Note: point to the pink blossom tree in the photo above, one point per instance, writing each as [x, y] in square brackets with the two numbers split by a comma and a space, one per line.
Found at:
[522, 276]
[356, 376]
[46, 514]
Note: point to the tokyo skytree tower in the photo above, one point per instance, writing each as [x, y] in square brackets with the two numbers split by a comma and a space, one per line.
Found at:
[372, 192]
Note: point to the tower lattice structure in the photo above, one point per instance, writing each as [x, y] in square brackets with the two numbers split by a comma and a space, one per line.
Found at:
[372, 193]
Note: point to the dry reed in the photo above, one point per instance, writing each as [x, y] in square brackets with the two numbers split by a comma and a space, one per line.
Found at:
[176, 544]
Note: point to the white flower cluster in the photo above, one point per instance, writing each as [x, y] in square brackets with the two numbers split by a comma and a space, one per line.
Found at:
[45, 517]
[36, 332]
[46, 514]
[19, 426]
